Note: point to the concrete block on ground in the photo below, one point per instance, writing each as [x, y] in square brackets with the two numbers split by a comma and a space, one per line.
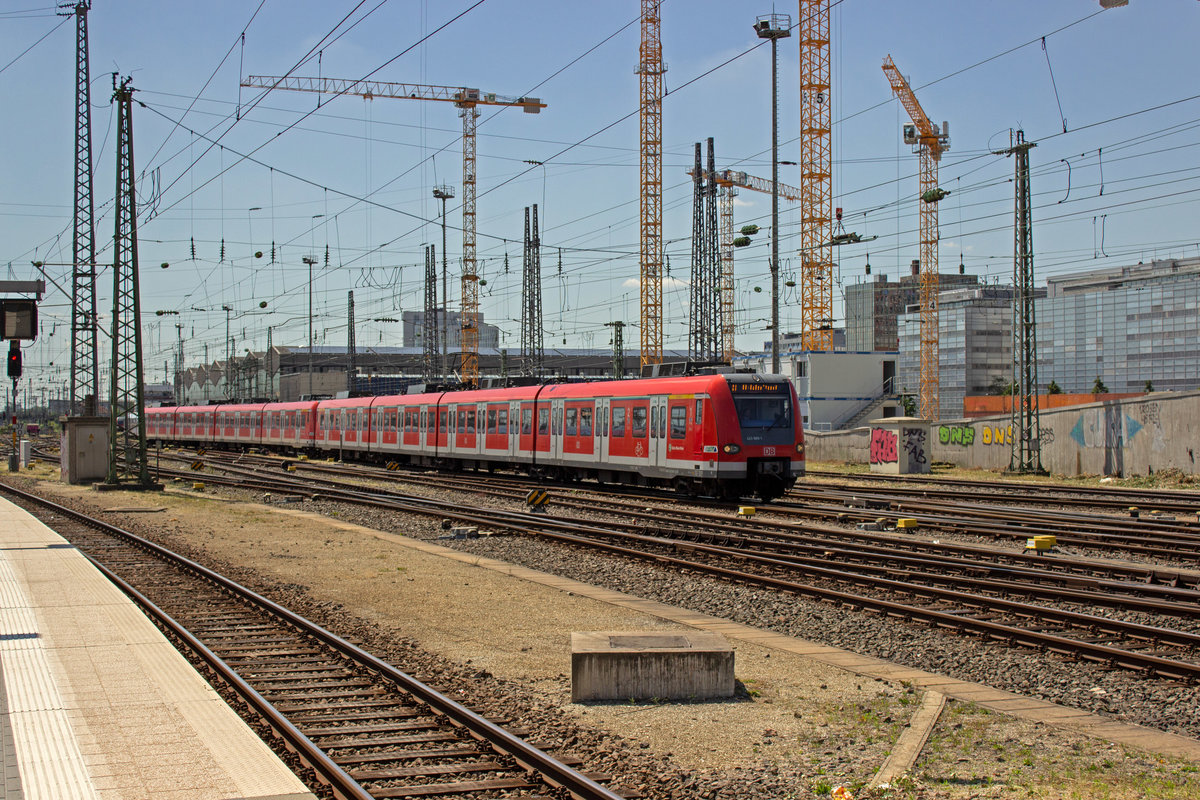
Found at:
[641, 665]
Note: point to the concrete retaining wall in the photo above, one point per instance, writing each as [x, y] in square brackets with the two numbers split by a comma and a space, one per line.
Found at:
[1122, 438]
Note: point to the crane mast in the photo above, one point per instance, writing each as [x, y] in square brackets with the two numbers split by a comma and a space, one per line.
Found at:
[650, 84]
[816, 178]
[466, 100]
[930, 142]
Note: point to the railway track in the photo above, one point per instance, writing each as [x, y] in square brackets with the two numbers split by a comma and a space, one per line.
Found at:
[359, 726]
[1034, 606]
[1030, 493]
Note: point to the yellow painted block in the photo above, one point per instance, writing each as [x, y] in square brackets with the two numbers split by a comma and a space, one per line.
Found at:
[1040, 543]
[199, 487]
[907, 522]
[331, 459]
[746, 511]
[303, 457]
[291, 468]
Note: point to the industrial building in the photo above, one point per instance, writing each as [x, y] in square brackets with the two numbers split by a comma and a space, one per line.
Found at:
[873, 307]
[290, 373]
[449, 325]
[975, 345]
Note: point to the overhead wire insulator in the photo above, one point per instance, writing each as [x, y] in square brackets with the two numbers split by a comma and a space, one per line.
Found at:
[222, 251]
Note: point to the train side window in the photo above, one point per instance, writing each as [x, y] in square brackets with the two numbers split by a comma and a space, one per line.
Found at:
[638, 421]
[526, 421]
[654, 412]
[699, 411]
[603, 423]
[678, 422]
[470, 420]
[543, 421]
[462, 420]
[585, 422]
[491, 420]
[571, 415]
[618, 421]
[502, 421]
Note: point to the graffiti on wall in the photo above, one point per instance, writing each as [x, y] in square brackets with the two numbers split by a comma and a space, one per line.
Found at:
[883, 447]
[962, 435]
[996, 434]
[914, 445]
[1047, 434]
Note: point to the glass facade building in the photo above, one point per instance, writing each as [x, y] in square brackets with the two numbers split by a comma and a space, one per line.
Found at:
[1126, 325]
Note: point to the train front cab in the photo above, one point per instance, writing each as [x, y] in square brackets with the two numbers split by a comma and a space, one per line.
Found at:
[761, 440]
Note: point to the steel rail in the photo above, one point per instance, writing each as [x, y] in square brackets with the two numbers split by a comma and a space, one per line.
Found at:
[581, 533]
[529, 757]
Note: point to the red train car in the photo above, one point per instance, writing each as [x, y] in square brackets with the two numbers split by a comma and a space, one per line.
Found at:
[730, 435]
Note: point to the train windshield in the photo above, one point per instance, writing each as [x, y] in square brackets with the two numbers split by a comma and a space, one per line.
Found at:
[764, 413]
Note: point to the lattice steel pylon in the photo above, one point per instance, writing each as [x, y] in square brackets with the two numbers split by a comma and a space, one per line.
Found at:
[127, 459]
[816, 178]
[465, 100]
[429, 326]
[85, 362]
[930, 142]
[705, 323]
[650, 88]
[1025, 440]
[532, 338]
[728, 182]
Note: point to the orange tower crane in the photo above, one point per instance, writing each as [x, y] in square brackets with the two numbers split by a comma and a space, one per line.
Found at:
[728, 182]
[650, 85]
[816, 178]
[465, 100]
[929, 142]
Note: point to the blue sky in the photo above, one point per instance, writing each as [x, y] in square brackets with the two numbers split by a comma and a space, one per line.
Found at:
[979, 65]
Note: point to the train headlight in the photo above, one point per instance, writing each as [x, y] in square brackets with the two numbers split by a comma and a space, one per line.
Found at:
[732, 449]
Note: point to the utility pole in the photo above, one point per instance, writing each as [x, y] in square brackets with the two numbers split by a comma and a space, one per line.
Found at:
[179, 366]
[1025, 416]
[309, 260]
[618, 348]
[532, 340]
[127, 441]
[207, 373]
[444, 193]
[429, 335]
[774, 27]
[351, 350]
[85, 349]
[270, 359]
[228, 356]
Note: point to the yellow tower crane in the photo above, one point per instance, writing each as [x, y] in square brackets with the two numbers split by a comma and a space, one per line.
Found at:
[728, 182]
[465, 100]
[929, 141]
[650, 88]
[816, 178]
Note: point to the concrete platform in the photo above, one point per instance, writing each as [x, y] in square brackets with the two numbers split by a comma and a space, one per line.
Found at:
[640, 665]
[96, 703]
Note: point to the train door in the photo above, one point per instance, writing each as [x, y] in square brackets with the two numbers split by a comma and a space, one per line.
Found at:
[658, 431]
[514, 428]
[556, 430]
[602, 416]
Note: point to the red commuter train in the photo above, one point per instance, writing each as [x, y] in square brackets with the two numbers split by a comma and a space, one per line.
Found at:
[726, 435]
